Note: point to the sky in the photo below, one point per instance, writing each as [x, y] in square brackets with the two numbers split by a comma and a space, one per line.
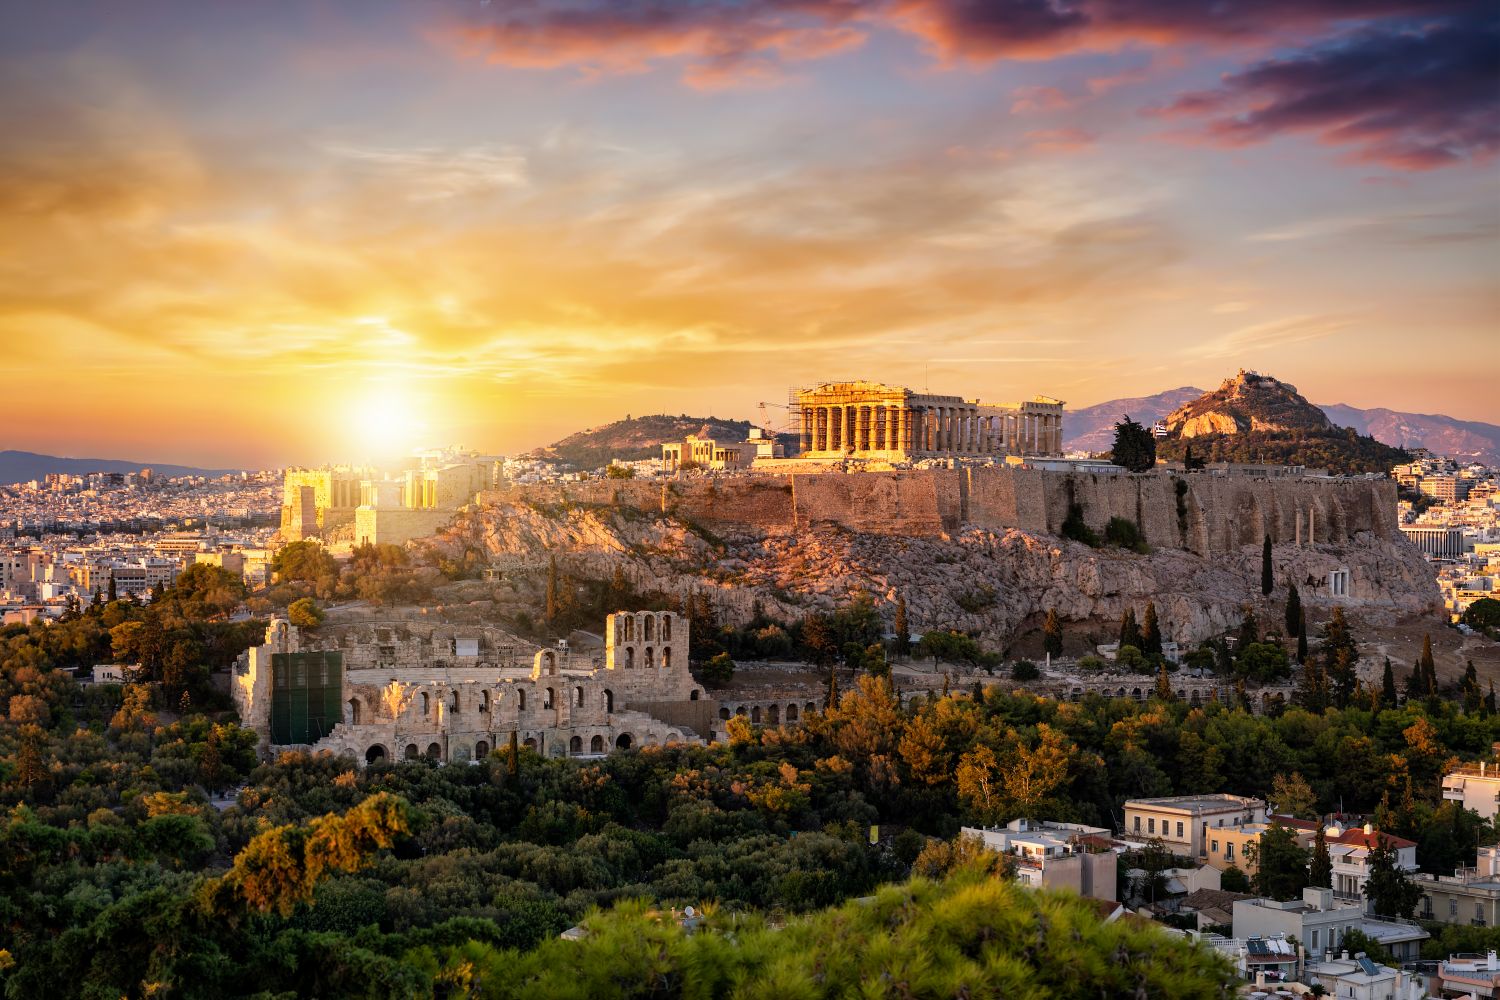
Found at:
[259, 234]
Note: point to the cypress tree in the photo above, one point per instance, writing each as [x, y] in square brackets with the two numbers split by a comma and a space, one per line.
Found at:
[1249, 630]
[1320, 869]
[1052, 643]
[112, 593]
[1429, 668]
[902, 627]
[514, 766]
[1151, 637]
[1489, 700]
[1267, 580]
[1388, 686]
[1130, 632]
[1293, 610]
[1163, 683]
[1472, 697]
[1301, 636]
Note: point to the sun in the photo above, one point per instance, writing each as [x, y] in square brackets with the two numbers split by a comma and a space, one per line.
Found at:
[387, 421]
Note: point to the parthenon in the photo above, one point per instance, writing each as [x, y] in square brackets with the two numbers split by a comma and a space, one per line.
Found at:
[871, 420]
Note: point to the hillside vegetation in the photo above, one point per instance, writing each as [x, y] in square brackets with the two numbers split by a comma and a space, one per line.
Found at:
[635, 438]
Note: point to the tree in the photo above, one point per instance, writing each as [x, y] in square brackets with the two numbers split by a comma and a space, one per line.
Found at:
[1483, 614]
[1302, 635]
[1029, 774]
[1135, 446]
[1388, 697]
[1473, 698]
[1281, 866]
[1429, 667]
[113, 592]
[1249, 629]
[1390, 891]
[305, 613]
[1151, 633]
[818, 638]
[1232, 879]
[1293, 610]
[1312, 693]
[1267, 573]
[1292, 795]
[1320, 869]
[902, 628]
[1130, 632]
[1024, 670]
[1052, 643]
[1164, 683]
[718, 671]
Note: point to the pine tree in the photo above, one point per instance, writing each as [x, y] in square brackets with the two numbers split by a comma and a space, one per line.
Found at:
[31, 769]
[1052, 643]
[902, 628]
[1416, 684]
[97, 598]
[1388, 697]
[831, 698]
[1293, 610]
[1320, 870]
[1151, 634]
[1312, 694]
[1267, 579]
[1130, 632]
[1249, 630]
[1343, 678]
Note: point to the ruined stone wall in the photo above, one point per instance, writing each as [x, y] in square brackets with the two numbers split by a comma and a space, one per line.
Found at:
[1202, 513]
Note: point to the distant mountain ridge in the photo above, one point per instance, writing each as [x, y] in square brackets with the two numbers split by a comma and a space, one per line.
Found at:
[24, 466]
[635, 438]
[1091, 428]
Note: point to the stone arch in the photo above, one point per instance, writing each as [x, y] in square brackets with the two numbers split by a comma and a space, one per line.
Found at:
[529, 743]
[426, 704]
[630, 628]
[624, 741]
[629, 659]
[740, 711]
[411, 752]
[650, 740]
[551, 700]
[810, 707]
[1076, 694]
[673, 737]
[596, 745]
[648, 628]
[575, 745]
[1135, 693]
[1181, 694]
[693, 694]
[578, 696]
[353, 716]
[1195, 697]
[453, 702]
[1121, 693]
[724, 713]
[755, 715]
[484, 700]
[666, 657]
[666, 627]
[791, 712]
[481, 750]
[650, 660]
[434, 751]
[549, 661]
[773, 715]
[375, 755]
[520, 699]
[609, 701]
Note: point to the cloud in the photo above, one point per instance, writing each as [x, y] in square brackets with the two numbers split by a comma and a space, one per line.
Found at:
[1411, 96]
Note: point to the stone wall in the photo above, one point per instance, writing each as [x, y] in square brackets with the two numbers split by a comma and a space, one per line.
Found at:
[1202, 513]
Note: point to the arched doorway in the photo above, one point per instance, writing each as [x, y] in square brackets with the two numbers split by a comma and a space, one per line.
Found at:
[375, 754]
[575, 745]
[434, 752]
[412, 753]
[353, 711]
[481, 750]
[530, 743]
[791, 713]
[596, 745]
[623, 742]
[755, 715]
[609, 700]
[773, 715]
[693, 695]
[724, 713]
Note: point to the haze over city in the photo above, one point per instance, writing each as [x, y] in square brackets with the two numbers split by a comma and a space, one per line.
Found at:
[251, 235]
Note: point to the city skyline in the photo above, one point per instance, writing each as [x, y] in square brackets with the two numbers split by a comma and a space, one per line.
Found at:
[255, 238]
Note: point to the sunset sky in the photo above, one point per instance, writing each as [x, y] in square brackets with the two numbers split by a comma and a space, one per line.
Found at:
[243, 233]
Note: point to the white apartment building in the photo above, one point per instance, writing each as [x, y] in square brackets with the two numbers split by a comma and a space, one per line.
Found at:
[1183, 821]
[1055, 855]
[1476, 787]
[1350, 850]
[1320, 923]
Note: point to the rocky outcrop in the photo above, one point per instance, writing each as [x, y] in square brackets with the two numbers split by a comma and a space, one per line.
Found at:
[1248, 402]
[994, 582]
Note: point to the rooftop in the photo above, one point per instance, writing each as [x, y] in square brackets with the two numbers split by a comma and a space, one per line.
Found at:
[1197, 803]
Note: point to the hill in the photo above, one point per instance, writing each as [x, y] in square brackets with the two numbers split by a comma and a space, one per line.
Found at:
[635, 438]
[1257, 418]
[1440, 434]
[24, 466]
[1092, 428]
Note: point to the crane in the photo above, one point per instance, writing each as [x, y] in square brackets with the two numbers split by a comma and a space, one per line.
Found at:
[765, 420]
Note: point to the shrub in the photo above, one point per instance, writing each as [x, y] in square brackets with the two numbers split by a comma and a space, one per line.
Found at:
[1024, 670]
[1074, 528]
[1125, 534]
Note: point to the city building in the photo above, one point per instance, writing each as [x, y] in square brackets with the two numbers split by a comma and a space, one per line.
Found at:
[1476, 787]
[376, 691]
[1468, 896]
[1361, 978]
[1227, 846]
[1468, 975]
[872, 420]
[1319, 922]
[1436, 541]
[1183, 822]
[1055, 855]
[1350, 853]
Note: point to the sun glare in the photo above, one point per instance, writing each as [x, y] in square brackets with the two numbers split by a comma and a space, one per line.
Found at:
[387, 422]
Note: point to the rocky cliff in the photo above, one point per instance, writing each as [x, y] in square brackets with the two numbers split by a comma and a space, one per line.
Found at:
[1246, 403]
[995, 582]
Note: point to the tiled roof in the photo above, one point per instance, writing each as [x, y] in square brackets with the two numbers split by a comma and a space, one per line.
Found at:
[1356, 837]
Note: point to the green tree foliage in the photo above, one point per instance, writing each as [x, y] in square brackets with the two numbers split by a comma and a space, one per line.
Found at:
[1388, 696]
[1151, 634]
[1024, 670]
[1281, 865]
[1293, 610]
[1340, 451]
[1052, 640]
[1125, 534]
[1390, 891]
[1135, 446]
[1320, 868]
[305, 613]
[1232, 879]
[1483, 614]
[1130, 631]
[718, 671]
[902, 628]
[1075, 528]
[304, 561]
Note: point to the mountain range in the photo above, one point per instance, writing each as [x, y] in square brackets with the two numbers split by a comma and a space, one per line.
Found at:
[24, 466]
[1092, 428]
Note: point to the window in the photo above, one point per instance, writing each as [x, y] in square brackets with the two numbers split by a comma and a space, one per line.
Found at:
[1453, 907]
[1151, 826]
[1179, 828]
[1229, 850]
[1315, 934]
[1137, 824]
[1216, 847]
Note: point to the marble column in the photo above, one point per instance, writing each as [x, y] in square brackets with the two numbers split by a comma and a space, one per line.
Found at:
[806, 429]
